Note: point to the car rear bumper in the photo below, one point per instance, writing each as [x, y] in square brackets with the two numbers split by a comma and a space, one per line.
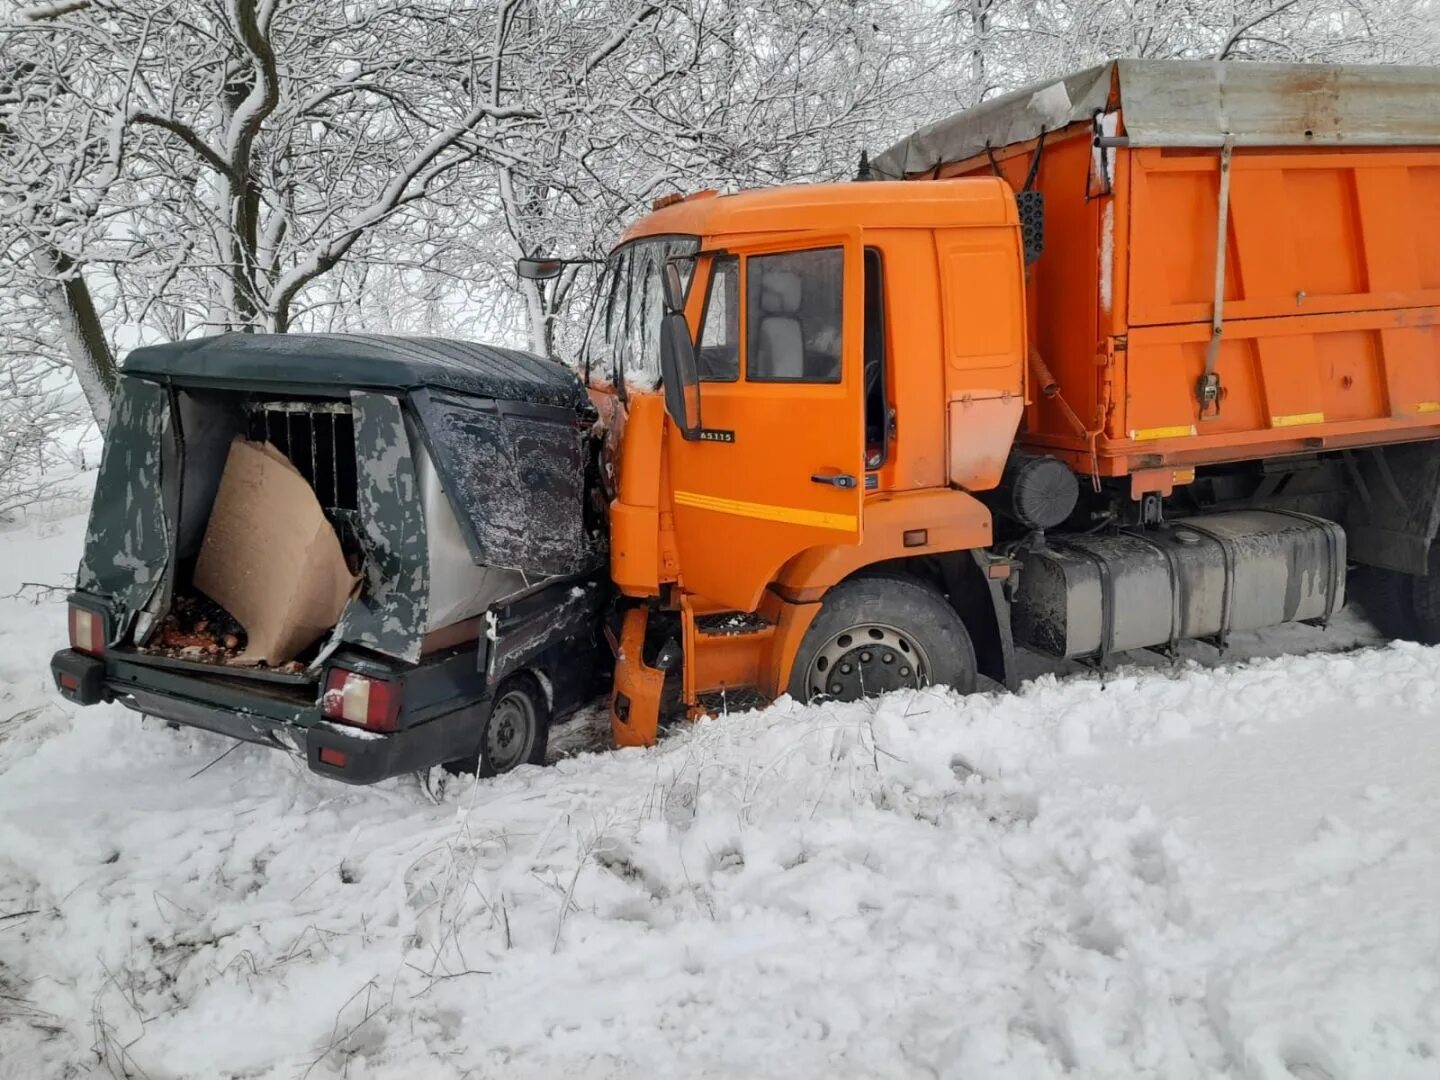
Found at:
[329, 750]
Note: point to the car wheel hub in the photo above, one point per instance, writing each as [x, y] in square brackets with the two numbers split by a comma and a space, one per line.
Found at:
[511, 732]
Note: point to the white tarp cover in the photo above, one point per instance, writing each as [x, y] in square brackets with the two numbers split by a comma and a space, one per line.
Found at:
[1195, 103]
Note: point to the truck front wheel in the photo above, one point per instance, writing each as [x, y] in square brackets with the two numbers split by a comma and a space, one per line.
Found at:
[876, 634]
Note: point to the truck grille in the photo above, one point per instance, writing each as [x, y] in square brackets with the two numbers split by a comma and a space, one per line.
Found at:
[319, 439]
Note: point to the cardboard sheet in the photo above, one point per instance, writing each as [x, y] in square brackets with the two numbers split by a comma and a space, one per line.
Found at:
[270, 557]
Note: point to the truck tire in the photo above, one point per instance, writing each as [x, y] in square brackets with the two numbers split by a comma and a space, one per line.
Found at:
[875, 634]
[516, 730]
[1387, 597]
[1425, 604]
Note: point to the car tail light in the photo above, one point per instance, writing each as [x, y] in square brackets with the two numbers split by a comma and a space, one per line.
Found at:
[87, 630]
[361, 701]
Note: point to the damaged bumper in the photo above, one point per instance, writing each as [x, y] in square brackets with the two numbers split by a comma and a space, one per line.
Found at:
[360, 758]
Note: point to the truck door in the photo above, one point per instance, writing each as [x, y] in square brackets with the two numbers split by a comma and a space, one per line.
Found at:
[778, 465]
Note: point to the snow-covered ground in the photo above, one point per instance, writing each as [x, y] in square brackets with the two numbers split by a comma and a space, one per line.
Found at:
[1226, 871]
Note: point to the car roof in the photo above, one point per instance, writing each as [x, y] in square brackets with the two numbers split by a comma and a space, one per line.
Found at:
[343, 361]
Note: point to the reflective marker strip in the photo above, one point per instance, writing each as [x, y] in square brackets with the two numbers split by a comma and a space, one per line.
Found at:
[1296, 419]
[1179, 431]
[818, 519]
[1428, 406]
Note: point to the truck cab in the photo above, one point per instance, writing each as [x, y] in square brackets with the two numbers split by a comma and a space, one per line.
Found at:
[856, 373]
[1145, 354]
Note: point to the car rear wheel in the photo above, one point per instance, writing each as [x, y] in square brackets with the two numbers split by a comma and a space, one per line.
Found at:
[877, 634]
[516, 729]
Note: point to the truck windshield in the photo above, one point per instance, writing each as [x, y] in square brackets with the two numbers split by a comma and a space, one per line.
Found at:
[627, 348]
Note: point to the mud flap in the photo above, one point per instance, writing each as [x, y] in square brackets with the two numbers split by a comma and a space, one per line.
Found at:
[983, 604]
[390, 613]
[127, 541]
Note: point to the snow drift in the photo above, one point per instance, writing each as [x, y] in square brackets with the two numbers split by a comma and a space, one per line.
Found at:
[1224, 872]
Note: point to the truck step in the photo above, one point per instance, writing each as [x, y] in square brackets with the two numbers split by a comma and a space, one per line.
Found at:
[731, 623]
[731, 699]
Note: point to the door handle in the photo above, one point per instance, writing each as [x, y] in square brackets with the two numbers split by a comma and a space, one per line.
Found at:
[839, 480]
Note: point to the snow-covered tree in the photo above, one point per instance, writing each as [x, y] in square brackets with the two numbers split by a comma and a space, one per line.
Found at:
[704, 94]
[179, 167]
[1012, 42]
[194, 167]
[174, 167]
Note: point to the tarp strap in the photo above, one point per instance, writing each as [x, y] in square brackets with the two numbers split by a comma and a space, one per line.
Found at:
[994, 163]
[1035, 162]
[1207, 388]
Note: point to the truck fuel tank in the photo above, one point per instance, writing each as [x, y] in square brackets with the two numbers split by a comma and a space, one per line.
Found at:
[1200, 577]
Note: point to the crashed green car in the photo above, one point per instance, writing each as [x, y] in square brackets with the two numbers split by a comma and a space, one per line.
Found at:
[439, 496]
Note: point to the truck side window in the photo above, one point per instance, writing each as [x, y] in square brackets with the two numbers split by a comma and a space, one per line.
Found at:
[640, 352]
[876, 408]
[718, 349]
[632, 317]
[605, 357]
[793, 325]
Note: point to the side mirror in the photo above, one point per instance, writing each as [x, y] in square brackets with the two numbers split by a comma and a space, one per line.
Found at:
[679, 372]
[539, 269]
[674, 287]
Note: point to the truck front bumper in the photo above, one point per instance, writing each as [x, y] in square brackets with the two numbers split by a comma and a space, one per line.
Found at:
[328, 749]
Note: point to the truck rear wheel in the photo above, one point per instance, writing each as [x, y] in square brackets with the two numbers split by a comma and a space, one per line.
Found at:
[1387, 597]
[1425, 603]
[876, 634]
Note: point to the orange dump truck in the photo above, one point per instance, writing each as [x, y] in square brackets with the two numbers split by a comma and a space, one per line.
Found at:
[1144, 354]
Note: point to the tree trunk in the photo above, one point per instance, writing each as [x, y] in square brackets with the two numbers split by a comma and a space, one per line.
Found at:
[250, 95]
[69, 298]
[536, 319]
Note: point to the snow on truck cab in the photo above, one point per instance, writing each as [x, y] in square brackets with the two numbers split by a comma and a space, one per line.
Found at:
[1144, 354]
[377, 551]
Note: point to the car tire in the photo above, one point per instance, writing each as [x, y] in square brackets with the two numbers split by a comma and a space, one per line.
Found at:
[876, 634]
[516, 730]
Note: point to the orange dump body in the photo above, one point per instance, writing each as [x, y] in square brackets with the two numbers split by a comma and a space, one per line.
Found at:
[1330, 318]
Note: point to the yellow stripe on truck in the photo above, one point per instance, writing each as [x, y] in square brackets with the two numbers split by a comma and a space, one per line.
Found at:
[1179, 431]
[792, 515]
[1297, 419]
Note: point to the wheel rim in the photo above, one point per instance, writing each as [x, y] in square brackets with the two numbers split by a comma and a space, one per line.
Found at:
[510, 734]
[865, 660]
